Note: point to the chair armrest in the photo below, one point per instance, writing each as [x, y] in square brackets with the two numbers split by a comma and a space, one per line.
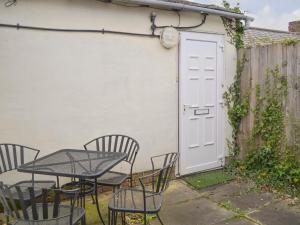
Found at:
[152, 176]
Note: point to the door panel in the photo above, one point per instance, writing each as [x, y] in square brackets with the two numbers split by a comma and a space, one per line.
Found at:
[201, 72]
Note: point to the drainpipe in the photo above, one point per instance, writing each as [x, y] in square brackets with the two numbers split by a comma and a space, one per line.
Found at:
[180, 6]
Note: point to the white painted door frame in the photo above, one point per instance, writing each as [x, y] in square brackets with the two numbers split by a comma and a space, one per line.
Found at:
[210, 39]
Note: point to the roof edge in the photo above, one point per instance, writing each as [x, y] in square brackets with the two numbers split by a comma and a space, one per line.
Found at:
[271, 30]
[194, 8]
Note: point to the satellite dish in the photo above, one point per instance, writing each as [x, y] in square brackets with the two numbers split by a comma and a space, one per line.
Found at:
[169, 37]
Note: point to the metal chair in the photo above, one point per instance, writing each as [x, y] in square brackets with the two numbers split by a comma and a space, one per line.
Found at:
[12, 156]
[115, 143]
[41, 211]
[148, 199]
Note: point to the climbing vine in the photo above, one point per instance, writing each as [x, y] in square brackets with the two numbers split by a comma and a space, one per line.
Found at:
[234, 27]
[270, 160]
[237, 108]
[269, 113]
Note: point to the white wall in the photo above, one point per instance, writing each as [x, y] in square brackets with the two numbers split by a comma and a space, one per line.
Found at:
[59, 90]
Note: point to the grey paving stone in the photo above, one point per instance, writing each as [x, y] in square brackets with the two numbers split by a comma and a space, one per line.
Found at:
[221, 192]
[236, 221]
[251, 200]
[194, 212]
[277, 214]
[178, 192]
[186, 206]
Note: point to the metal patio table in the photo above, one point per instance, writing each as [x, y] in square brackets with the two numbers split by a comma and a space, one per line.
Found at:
[81, 164]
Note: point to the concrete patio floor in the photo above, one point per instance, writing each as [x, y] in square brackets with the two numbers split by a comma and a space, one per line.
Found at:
[229, 204]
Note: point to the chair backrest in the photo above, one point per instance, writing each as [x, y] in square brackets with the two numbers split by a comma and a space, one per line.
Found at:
[45, 205]
[162, 168]
[13, 155]
[115, 143]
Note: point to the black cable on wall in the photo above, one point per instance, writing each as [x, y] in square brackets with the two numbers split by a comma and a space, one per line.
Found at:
[101, 31]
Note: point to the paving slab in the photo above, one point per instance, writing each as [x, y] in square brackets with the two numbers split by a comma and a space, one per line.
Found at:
[277, 214]
[251, 200]
[179, 191]
[221, 192]
[236, 221]
[194, 212]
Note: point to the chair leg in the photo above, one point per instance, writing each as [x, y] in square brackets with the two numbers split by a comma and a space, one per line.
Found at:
[57, 182]
[97, 203]
[114, 217]
[131, 185]
[93, 199]
[111, 217]
[83, 220]
[108, 217]
[7, 220]
[158, 217]
[123, 218]
[78, 201]
[83, 195]
[145, 219]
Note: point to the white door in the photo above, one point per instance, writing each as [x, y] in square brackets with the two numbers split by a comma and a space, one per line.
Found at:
[201, 102]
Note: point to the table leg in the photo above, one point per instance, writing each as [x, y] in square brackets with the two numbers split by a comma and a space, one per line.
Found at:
[57, 182]
[97, 202]
[81, 192]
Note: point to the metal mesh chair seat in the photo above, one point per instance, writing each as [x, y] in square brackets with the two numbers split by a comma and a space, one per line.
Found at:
[62, 219]
[131, 200]
[24, 185]
[112, 178]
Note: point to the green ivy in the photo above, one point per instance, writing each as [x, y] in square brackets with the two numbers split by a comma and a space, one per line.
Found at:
[270, 161]
[269, 124]
[234, 27]
[290, 41]
[237, 108]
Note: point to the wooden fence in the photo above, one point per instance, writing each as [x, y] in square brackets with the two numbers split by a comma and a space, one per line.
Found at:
[259, 59]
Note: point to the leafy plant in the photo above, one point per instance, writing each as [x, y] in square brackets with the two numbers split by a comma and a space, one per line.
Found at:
[237, 108]
[290, 41]
[134, 219]
[269, 124]
[234, 27]
[228, 205]
[270, 161]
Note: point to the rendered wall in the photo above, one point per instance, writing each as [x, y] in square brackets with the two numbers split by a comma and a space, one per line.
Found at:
[59, 90]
